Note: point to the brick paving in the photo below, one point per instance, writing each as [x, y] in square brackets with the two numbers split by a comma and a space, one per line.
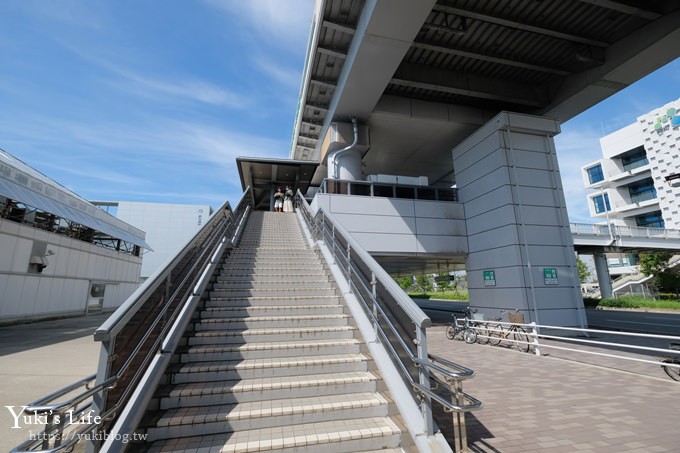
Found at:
[557, 403]
[560, 403]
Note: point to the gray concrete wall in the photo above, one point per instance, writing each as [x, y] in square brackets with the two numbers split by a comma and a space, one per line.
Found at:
[399, 226]
[517, 225]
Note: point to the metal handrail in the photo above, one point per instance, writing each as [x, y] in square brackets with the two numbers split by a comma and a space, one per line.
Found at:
[347, 253]
[623, 231]
[206, 240]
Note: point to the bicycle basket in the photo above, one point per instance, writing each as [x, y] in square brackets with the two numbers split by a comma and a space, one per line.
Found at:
[516, 318]
[478, 316]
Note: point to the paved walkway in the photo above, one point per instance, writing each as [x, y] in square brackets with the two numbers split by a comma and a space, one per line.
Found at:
[39, 358]
[562, 404]
[557, 403]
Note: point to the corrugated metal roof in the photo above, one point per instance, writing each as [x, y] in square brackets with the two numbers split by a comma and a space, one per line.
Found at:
[23, 183]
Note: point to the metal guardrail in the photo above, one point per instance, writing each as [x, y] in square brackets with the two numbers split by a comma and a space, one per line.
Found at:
[623, 231]
[579, 336]
[130, 339]
[387, 190]
[400, 324]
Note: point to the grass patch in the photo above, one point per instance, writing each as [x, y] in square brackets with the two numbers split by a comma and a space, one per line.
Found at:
[632, 302]
[445, 295]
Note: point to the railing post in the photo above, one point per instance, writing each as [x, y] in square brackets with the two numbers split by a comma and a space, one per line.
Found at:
[424, 379]
[534, 336]
[168, 292]
[349, 266]
[459, 427]
[374, 292]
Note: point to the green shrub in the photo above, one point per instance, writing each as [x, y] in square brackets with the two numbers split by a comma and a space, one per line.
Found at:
[446, 295]
[639, 302]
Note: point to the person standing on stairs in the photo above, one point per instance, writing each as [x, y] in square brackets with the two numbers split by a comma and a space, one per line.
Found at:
[278, 200]
[288, 200]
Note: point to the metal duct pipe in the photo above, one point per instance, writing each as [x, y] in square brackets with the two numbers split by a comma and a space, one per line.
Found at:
[336, 154]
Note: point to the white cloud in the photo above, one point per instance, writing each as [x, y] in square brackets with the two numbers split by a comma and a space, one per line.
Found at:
[190, 89]
[143, 157]
[282, 23]
[288, 77]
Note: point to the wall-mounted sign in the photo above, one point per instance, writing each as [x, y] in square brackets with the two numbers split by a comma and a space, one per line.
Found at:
[489, 278]
[550, 276]
[672, 118]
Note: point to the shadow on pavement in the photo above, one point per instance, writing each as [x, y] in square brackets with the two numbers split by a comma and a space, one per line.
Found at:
[23, 337]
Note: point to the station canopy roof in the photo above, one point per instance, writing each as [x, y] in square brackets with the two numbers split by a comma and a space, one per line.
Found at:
[262, 174]
[20, 182]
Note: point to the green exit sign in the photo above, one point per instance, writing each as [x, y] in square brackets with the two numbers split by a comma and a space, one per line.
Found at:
[489, 278]
[550, 276]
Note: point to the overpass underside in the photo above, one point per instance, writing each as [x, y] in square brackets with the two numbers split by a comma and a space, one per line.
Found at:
[471, 94]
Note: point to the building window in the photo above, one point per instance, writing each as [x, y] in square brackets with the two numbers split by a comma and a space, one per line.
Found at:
[636, 158]
[601, 203]
[651, 220]
[642, 191]
[595, 174]
[97, 290]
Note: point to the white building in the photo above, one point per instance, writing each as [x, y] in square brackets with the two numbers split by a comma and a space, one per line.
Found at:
[637, 181]
[59, 254]
[167, 227]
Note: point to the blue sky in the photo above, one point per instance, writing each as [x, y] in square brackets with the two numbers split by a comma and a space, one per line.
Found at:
[152, 101]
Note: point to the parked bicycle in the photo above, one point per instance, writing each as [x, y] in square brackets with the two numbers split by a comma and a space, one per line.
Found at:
[464, 327]
[672, 371]
[514, 333]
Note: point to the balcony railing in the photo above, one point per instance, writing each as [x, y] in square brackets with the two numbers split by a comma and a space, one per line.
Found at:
[637, 164]
[381, 189]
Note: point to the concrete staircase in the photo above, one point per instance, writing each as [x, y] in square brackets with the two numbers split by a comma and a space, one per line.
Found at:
[272, 363]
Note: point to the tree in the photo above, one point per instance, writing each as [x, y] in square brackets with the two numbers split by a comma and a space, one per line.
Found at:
[655, 264]
[443, 285]
[404, 282]
[424, 283]
[583, 271]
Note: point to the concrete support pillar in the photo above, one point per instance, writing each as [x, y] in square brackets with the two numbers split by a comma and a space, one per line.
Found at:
[603, 278]
[521, 253]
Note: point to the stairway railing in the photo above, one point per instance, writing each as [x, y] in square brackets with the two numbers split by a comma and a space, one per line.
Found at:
[132, 337]
[399, 323]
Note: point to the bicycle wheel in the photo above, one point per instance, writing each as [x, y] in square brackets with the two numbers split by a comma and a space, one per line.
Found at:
[450, 332]
[469, 335]
[482, 333]
[496, 334]
[671, 371]
[521, 338]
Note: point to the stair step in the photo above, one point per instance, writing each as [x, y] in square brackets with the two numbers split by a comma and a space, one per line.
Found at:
[270, 251]
[310, 276]
[215, 337]
[261, 322]
[215, 302]
[272, 292]
[192, 421]
[340, 436]
[289, 259]
[205, 353]
[274, 271]
[240, 391]
[271, 310]
[262, 368]
[291, 282]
